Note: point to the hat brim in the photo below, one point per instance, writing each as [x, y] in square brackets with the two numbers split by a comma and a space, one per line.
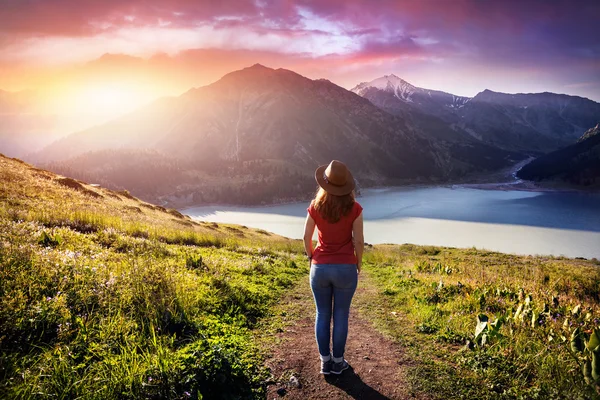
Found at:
[334, 189]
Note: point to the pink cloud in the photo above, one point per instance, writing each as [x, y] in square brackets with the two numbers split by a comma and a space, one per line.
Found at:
[342, 34]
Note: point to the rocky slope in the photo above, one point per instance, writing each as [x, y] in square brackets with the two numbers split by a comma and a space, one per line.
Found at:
[577, 164]
[532, 123]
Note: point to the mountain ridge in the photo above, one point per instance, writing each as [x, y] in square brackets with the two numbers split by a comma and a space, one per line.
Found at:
[532, 123]
[577, 164]
[259, 113]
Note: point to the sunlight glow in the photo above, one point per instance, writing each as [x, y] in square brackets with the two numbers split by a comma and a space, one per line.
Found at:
[92, 103]
[109, 99]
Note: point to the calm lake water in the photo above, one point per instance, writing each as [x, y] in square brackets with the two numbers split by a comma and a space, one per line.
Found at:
[518, 222]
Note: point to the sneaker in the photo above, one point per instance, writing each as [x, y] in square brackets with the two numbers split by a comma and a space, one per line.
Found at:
[326, 367]
[338, 368]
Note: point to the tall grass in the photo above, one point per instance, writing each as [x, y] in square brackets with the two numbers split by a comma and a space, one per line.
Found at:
[105, 315]
[105, 297]
[532, 305]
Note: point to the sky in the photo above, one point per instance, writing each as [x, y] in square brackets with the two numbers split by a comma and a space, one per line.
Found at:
[113, 55]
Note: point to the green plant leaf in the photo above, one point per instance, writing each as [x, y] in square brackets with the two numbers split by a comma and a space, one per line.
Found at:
[577, 341]
[587, 371]
[482, 323]
[594, 341]
[595, 365]
[518, 312]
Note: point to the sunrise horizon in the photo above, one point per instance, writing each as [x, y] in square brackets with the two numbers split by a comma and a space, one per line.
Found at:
[116, 56]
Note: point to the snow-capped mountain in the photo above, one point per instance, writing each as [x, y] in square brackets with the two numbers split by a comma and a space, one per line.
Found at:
[409, 93]
[537, 122]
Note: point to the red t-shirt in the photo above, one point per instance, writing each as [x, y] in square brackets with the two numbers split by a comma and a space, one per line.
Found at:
[335, 240]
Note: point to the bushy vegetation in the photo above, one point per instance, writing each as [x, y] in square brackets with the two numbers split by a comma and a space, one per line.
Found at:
[109, 297]
[491, 325]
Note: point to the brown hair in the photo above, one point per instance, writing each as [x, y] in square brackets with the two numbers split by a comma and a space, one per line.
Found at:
[332, 207]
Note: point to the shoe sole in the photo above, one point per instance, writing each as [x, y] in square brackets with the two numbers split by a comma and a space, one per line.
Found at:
[325, 373]
[337, 373]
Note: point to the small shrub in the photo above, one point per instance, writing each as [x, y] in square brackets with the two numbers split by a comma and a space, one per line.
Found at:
[194, 261]
[49, 240]
[427, 327]
[176, 213]
[126, 194]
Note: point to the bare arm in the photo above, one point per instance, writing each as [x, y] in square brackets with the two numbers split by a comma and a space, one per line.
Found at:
[309, 229]
[359, 240]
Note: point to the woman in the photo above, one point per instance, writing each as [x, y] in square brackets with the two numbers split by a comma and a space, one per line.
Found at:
[336, 261]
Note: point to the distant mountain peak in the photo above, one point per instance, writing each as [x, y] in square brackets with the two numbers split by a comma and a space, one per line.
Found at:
[391, 83]
[409, 93]
[251, 72]
[258, 66]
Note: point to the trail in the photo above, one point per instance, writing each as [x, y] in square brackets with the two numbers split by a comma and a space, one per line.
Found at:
[378, 366]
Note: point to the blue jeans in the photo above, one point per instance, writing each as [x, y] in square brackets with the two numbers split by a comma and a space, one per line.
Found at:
[332, 284]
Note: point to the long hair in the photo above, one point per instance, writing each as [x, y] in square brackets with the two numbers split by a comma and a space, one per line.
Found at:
[332, 207]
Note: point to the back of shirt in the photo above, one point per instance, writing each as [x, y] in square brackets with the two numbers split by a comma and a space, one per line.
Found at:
[335, 240]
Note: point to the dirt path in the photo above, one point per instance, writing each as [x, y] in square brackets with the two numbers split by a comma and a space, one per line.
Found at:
[378, 366]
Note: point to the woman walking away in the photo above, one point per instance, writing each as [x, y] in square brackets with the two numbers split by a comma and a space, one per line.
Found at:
[336, 261]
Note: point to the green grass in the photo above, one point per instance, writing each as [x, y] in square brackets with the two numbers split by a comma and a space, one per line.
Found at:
[107, 297]
[436, 295]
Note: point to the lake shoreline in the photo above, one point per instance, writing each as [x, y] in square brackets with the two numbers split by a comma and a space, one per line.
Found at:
[525, 186]
[509, 221]
[502, 180]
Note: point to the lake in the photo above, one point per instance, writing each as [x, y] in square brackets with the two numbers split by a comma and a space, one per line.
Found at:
[521, 222]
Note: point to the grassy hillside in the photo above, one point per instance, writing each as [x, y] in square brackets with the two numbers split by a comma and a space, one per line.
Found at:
[488, 325]
[105, 296]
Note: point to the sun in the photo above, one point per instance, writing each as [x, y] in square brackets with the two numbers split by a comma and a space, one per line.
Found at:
[86, 103]
[110, 99]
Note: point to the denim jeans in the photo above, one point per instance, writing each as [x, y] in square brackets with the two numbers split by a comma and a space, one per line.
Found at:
[332, 285]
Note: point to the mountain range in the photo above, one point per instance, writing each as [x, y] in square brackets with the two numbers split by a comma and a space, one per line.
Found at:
[531, 123]
[267, 127]
[257, 135]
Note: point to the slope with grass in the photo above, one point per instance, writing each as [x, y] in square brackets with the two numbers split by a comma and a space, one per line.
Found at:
[480, 324]
[105, 296]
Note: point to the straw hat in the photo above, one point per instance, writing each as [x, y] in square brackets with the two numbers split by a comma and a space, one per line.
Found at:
[335, 178]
